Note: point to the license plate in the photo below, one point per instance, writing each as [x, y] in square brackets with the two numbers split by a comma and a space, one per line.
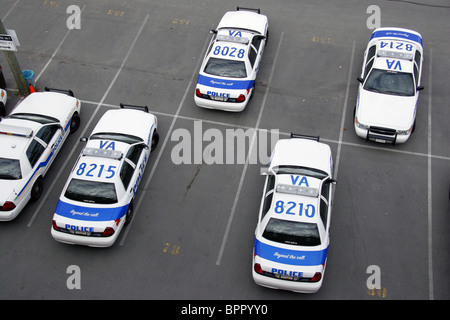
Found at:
[218, 98]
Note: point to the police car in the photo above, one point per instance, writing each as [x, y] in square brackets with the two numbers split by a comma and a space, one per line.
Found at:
[3, 99]
[389, 86]
[30, 138]
[97, 200]
[226, 80]
[292, 234]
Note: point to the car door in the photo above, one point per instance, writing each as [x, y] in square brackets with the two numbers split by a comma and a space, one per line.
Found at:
[50, 137]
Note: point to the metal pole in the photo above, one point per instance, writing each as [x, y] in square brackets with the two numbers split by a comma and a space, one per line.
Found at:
[15, 67]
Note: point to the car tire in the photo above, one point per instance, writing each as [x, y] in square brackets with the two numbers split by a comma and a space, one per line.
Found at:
[155, 140]
[2, 110]
[74, 123]
[36, 190]
[129, 214]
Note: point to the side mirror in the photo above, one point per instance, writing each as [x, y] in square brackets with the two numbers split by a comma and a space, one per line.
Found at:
[83, 139]
[420, 88]
[213, 31]
[360, 79]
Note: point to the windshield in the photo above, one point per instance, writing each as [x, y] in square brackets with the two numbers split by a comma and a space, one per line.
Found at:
[34, 117]
[127, 138]
[91, 191]
[292, 232]
[297, 170]
[10, 169]
[226, 68]
[390, 82]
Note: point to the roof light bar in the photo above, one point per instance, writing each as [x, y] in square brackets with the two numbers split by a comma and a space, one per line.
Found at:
[16, 131]
[222, 37]
[94, 152]
[393, 54]
[298, 190]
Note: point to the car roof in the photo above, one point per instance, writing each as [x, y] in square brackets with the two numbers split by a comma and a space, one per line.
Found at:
[302, 152]
[398, 34]
[246, 20]
[52, 104]
[15, 134]
[126, 121]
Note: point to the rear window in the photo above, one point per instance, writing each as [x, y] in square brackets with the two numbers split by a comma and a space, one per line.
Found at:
[91, 191]
[292, 232]
[10, 169]
[226, 68]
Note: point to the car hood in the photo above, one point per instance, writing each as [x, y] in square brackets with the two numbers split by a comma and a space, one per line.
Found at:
[385, 110]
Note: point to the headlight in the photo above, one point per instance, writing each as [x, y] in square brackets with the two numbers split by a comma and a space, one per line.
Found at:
[361, 125]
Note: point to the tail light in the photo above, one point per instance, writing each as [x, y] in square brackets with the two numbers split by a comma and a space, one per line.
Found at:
[108, 232]
[198, 93]
[55, 226]
[317, 277]
[7, 206]
[257, 268]
[241, 98]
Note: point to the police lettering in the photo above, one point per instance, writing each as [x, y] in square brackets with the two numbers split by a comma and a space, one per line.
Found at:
[217, 94]
[78, 228]
[287, 273]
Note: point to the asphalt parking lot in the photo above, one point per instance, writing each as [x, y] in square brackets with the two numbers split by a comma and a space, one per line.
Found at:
[192, 233]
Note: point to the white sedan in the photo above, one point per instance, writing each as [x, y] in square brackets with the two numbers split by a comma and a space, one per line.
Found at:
[226, 80]
[389, 86]
[292, 234]
[97, 200]
[30, 138]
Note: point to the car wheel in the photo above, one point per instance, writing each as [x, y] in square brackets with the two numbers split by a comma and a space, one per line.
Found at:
[74, 123]
[155, 140]
[129, 214]
[37, 189]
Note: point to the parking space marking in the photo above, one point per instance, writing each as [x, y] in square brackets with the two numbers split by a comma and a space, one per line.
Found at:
[56, 50]
[166, 139]
[244, 171]
[10, 10]
[344, 111]
[69, 157]
[430, 206]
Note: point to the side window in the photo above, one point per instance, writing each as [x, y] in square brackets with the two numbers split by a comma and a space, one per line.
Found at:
[46, 133]
[370, 60]
[268, 195]
[34, 152]
[256, 42]
[126, 173]
[134, 153]
[324, 197]
[252, 55]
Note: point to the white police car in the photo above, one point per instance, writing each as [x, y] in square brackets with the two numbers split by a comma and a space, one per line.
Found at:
[389, 86]
[226, 80]
[292, 234]
[3, 99]
[96, 201]
[30, 138]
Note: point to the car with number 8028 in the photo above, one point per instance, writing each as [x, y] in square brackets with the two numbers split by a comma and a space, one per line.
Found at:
[226, 80]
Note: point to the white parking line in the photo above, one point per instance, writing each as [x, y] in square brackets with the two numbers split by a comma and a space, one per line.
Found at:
[163, 146]
[69, 157]
[56, 51]
[344, 112]
[244, 171]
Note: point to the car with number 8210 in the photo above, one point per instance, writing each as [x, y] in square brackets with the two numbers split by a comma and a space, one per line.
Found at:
[292, 234]
[97, 200]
